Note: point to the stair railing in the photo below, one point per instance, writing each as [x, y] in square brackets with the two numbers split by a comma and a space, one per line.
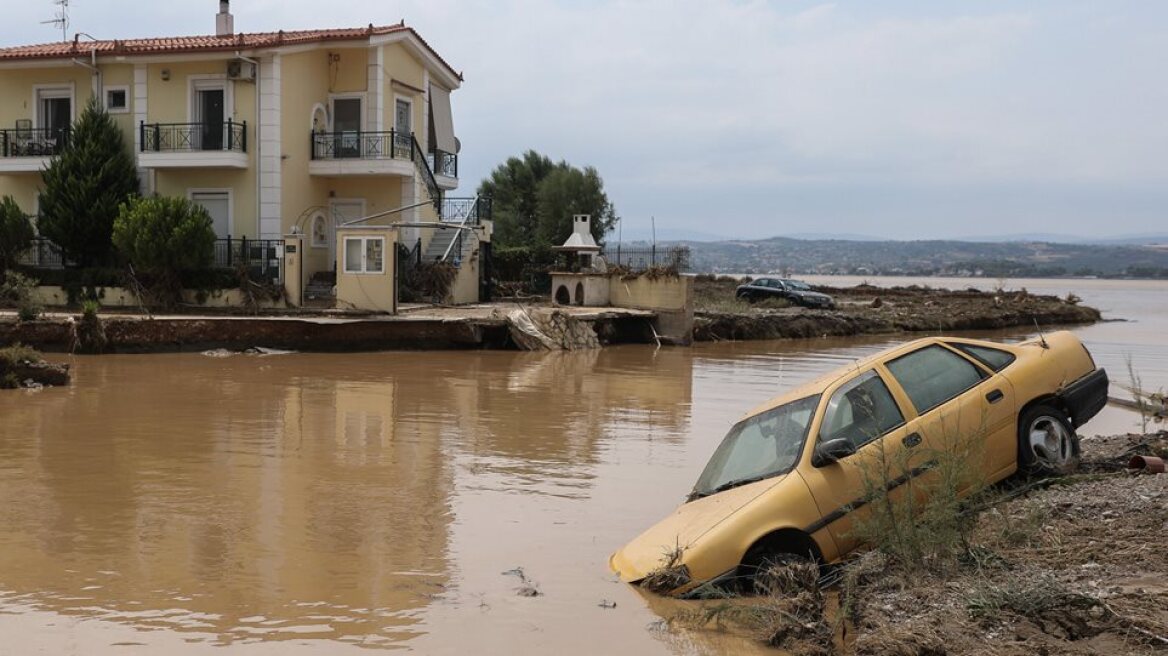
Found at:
[423, 168]
[471, 218]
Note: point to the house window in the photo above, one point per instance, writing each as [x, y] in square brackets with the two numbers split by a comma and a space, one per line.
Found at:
[364, 255]
[117, 100]
[320, 237]
[218, 206]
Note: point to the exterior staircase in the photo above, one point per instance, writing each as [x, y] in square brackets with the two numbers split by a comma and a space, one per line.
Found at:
[319, 291]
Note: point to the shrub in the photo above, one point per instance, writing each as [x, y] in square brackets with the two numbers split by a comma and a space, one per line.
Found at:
[16, 232]
[89, 333]
[85, 183]
[17, 290]
[162, 237]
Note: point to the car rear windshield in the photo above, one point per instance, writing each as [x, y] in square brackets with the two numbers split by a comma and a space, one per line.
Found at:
[995, 359]
[765, 445]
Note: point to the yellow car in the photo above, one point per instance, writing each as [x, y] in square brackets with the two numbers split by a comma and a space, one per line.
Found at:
[791, 476]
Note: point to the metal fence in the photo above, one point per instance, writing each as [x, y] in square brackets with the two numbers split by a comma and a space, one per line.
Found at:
[458, 210]
[261, 257]
[443, 163]
[43, 254]
[640, 259]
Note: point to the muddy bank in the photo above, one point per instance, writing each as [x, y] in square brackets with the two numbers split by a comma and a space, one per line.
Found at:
[128, 334]
[23, 367]
[872, 310]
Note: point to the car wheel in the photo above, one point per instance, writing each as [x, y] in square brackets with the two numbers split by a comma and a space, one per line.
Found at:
[772, 574]
[1047, 444]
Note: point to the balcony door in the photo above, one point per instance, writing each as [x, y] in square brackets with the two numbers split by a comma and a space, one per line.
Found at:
[54, 114]
[347, 114]
[403, 127]
[209, 113]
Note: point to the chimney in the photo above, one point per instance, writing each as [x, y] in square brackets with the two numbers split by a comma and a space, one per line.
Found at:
[224, 21]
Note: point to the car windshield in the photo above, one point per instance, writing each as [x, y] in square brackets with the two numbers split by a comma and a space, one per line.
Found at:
[797, 284]
[762, 446]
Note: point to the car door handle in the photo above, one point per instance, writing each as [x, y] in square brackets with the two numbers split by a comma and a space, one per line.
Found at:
[995, 396]
[912, 440]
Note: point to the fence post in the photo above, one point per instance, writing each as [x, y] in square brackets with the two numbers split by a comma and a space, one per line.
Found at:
[653, 255]
[229, 250]
[244, 258]
[230, 137]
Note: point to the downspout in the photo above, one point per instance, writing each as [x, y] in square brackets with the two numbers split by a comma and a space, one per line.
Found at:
[96, 85]
[258, 145]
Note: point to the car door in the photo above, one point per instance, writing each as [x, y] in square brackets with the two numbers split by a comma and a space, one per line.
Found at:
[863, 411]
[962, 414]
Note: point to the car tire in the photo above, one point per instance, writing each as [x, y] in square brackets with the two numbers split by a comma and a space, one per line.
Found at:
[755, 574]
[1047, 443]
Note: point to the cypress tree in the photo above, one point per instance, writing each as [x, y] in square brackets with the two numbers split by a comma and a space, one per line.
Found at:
[85, 184]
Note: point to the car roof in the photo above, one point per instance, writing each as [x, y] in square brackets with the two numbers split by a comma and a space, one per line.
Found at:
[822, 383]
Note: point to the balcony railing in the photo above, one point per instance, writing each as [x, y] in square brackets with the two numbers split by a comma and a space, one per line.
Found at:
[443, 163]
[30, 142]
[356, 144]
[227, 136]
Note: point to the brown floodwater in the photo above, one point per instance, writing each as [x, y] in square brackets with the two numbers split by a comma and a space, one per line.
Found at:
[181, 503]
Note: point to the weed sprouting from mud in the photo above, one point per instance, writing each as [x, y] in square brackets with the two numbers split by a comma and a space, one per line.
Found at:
[791, 616]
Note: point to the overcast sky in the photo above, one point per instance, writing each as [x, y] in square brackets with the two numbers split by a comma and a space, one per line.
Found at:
[753, 119]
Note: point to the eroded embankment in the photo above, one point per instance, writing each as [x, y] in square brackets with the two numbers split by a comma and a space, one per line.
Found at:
[873, 310]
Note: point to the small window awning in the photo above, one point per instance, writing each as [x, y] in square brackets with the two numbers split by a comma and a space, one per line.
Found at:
[441, 121]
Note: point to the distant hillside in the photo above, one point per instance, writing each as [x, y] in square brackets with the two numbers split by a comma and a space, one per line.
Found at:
[925, 258]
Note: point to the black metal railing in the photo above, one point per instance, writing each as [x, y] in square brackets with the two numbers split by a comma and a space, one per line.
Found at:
[43, 254]
[355, 144]
[227, 136]
[640, 259]
[33, 142]
[427, 175]
[443, 163]
[261, 257]
[458, 210]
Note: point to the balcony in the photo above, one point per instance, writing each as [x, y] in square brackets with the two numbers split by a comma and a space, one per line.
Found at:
[362, 153]
[27, 150]
[193, 145]
[445, 168]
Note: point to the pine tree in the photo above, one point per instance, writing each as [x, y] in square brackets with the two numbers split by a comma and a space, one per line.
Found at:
[85, 184]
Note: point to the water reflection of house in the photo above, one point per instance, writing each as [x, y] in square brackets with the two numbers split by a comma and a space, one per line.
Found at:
[297, 498]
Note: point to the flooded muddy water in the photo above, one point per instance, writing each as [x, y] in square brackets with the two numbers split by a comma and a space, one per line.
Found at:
[298, 503]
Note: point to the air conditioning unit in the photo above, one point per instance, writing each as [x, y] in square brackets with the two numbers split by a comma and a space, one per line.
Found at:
[238, 69]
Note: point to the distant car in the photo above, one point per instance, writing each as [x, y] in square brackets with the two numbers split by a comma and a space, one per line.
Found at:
[791, 479]
[795, 291]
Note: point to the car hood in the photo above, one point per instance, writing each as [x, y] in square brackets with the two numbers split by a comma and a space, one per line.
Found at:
[651, 549]
[810, 294]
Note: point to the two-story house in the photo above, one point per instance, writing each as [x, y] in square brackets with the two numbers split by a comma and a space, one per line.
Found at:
[273, 133]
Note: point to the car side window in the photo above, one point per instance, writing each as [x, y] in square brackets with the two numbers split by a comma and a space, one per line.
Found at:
[860, 411]
[933, 375]
[995, 359]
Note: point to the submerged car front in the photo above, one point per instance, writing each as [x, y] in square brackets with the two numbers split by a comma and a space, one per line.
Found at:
[747, 490]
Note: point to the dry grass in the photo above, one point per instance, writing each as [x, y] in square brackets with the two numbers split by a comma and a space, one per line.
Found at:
[670, 576]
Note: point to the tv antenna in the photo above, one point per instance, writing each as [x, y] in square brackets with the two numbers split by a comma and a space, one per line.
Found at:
[61, 18]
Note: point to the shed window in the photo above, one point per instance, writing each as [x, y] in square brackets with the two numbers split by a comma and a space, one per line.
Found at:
[364, 255]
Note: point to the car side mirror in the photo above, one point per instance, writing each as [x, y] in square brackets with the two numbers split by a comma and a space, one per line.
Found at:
[831, 451]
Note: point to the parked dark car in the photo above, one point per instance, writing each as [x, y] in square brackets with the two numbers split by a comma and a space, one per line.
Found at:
[795, 291]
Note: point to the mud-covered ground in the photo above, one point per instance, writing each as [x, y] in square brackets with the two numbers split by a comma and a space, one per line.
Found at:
[1074, 565]
[865, 309]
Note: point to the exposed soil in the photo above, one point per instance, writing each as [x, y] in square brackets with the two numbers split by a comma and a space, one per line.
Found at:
[865, 309]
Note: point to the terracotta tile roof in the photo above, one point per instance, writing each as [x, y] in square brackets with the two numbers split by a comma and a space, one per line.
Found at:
[192, 44]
